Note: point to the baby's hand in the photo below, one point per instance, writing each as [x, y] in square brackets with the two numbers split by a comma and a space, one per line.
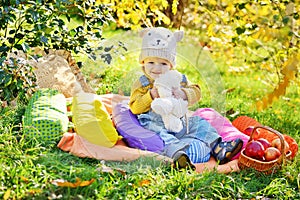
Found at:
[154, 93]
[179, 94]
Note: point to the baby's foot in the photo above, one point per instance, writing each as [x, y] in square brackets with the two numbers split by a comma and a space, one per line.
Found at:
[225, 151]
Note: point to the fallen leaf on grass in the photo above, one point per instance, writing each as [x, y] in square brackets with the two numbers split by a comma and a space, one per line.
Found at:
[6, 195]
[144, 182]
[106, 169]
[35, 191]
[24, 179]
[110, 170]
[78, 183]
[228, 90]
[4, 104]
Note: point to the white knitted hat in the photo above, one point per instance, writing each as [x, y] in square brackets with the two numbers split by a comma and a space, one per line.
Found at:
[160, 42]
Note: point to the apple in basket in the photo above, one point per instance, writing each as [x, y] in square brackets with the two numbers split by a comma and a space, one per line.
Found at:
[277, 144]
[264, 142]
[255, 149]
[272, 153]
[249, 130]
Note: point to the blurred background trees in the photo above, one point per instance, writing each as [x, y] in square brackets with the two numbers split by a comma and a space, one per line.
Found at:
[264, 33]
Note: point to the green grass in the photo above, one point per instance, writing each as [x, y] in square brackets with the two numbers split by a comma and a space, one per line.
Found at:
[28, 168]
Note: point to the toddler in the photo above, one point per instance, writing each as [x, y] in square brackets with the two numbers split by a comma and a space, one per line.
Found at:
[198, 140]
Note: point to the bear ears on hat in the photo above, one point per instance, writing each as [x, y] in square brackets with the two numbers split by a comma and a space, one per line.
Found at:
[178, 35]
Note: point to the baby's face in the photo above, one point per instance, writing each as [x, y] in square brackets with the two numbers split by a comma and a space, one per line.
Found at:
[154, 67]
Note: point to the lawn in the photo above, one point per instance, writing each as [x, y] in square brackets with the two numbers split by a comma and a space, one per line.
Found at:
[33, 169]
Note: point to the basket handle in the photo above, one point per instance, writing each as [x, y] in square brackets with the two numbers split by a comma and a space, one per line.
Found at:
[282, 157]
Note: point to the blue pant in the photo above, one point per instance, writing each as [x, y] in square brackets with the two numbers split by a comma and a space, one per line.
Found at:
[196, 138]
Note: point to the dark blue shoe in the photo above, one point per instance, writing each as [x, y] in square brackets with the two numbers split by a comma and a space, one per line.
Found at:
[223, 152]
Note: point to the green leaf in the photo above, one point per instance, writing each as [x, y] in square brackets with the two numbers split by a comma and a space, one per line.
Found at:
[106, 49]
[240, 30]
[275, 17]
[12, 31]
[3, 48]
[19, 35]
[2, 59]
[18, 46]
[286, 19]
[2, 76]
[34, 15]
[241, 6]
[25, 47]
[7, 80]
[11, 40]
[44, 39]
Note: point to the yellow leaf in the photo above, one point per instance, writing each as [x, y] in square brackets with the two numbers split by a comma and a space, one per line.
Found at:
[251, 9]
[269, 99]
[264, 11]
[153, 7]
[111, 170]
[88, 11]
[135, 18]
[258, 34]
[231, 9]
[86, 183]
[144, 182]
[35, 191]
[210, 30]
[78, 183]
[24, 179]
[249, 40]
[290, 66]
[98, 2]
[6, 195]
[165, 4]
[277, 112]
[174, 6]
[266, 34]
[212, 2]
[162, 16]
[265, 102]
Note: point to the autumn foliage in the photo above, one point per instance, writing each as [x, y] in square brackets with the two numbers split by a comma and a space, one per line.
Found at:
[267, 31]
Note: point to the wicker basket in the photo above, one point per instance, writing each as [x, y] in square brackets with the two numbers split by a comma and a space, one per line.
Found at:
[262, 166]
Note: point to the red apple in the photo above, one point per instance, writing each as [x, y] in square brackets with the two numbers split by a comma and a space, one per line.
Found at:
[272, 153]
[255, 150]
[276, 143]
[264, 142]
[249, 130]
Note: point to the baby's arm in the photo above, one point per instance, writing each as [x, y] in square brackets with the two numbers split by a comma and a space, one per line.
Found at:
[140, 102]
[179, 93]
[193, 94]
[154, 93]
[188, 91]
[140, 99]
